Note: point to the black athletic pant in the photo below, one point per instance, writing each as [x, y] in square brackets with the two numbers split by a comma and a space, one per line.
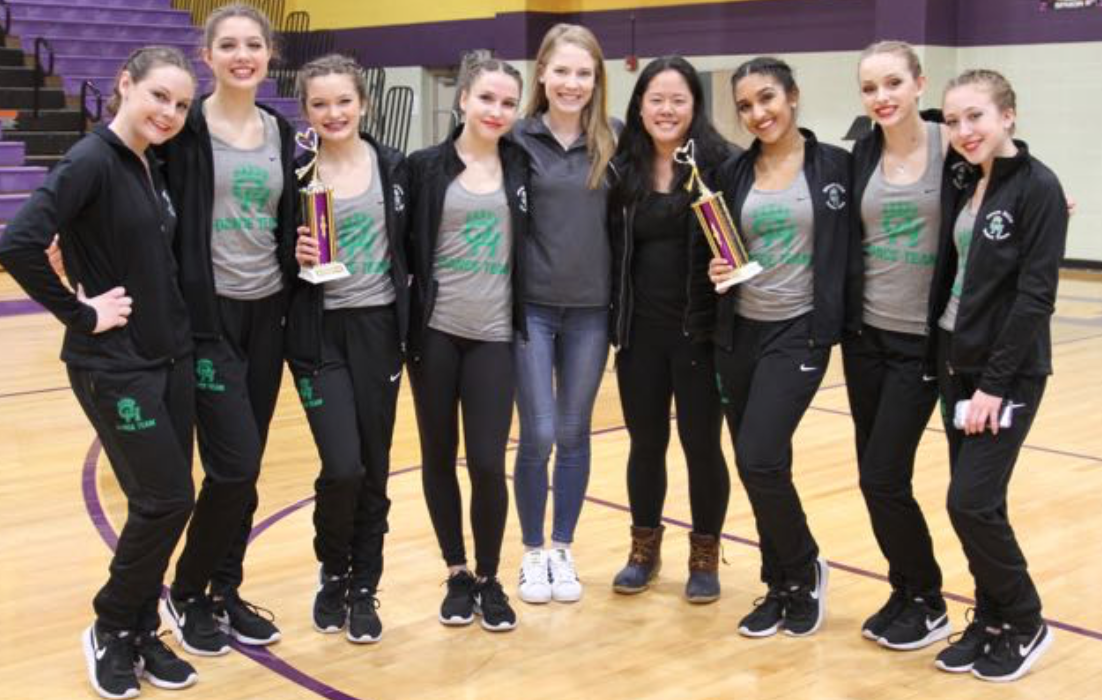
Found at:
[980, 469]
[350, 405]
[144, 420]
[237, 384]
[767, 381]
[661, 365]
[478, 376]
[891, 399]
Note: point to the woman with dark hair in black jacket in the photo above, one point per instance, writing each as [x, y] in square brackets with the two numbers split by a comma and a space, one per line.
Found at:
[994, 291]
[662, 319]
[345, 340]
[470, 214]
[788, 196]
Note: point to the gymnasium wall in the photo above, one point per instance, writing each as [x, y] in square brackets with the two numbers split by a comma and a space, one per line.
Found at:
[1054, 59]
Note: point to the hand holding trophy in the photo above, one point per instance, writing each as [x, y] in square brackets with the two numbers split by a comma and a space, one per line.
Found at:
[719, 229]
[317, 209]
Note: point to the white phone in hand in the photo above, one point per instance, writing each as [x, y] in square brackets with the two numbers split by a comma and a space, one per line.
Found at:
[1006, 415]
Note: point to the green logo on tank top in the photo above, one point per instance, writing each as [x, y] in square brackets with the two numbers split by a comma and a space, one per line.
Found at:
[205, 376]
[904, 227]
[774, 225]
[306, 394]
[130, 413]
[482, 233]
[249, 187]
[356, 236]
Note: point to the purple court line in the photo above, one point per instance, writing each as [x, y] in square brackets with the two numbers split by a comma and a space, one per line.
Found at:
[19, 307]
[32, 392]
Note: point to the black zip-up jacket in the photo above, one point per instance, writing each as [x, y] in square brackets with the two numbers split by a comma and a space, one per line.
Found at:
[304, 314]
[1013, 265]
[189, 170]
[431, 170]
[828, 170]
[867, 152]
[116, 227]
[698, 319]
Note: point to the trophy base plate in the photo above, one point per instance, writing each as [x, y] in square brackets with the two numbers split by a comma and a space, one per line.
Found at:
[747, 271]
[328, 272]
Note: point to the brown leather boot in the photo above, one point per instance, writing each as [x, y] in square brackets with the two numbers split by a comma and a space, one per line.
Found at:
[644, 562]
[703, 583]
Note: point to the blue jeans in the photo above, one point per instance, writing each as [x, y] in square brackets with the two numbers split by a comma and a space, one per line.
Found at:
[558, 372]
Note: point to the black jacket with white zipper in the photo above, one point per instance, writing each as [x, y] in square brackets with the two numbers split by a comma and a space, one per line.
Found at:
[115, 224]
[1013, 265]
[303, 335]
[189, 170]
[828, 170]
[431, 171]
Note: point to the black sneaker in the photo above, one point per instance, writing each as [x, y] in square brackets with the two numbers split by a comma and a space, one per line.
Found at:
[919, 625]
[159, 665]
[364, 625]
[492, 604]
[110, 660]
[874, 627]
[805, 606]
[330, 603]
[194, 626]
[245, 622]
[1013, 653]
[458, 606]
[967, 647]
[766, 617]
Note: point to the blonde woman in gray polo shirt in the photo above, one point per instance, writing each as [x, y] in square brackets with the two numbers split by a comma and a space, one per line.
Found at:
[569, 141]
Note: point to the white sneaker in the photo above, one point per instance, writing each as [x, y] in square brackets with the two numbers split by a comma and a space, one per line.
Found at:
[535, 583]
[565, 586]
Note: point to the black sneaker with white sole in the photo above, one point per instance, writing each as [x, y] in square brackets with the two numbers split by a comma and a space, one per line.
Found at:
[805, 606]
[1013, 653]
[331, 603]
[968, 646]
[766, 618]
[110, 660]
[193, 624]
[492, 604]
[364, 625]
[247, 623]
[159, 665]
[921, 623]
[875, 625]
[458, 606]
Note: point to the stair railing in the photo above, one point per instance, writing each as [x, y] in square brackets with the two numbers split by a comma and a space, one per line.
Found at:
[396, 117]
[41, 72]
[85, 114]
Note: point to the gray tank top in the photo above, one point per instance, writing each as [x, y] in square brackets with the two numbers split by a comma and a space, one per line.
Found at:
[777, 227]
[900, 245]
[474, 296]
[962, 241]
[363, 248]
[247, 188]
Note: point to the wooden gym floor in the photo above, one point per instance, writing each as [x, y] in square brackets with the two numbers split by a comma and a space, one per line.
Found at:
[60, 508]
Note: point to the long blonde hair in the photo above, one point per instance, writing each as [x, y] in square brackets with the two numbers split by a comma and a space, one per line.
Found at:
[599, 139]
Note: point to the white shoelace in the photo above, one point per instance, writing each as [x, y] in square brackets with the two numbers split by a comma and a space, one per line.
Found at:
[562, 567]
[533, 567]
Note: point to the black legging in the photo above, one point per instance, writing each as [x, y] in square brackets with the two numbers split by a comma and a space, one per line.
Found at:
[453, 372]
[661, 365]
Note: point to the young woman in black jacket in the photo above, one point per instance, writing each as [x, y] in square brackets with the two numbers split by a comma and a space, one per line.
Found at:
[345, 340]
[663, 313]
[231, 175]
[469, 219]
[129, 365]
[900, 168]
[789, 196]
[994, 291]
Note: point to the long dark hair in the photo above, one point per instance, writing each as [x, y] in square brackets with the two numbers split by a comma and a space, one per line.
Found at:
[635, 151]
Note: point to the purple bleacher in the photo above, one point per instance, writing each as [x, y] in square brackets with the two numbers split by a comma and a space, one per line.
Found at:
[12, 153]
[134, 4]
[21, 178]
[10, 204]
[106, 84]
[28, 29]
[53, 11]
[118, 48]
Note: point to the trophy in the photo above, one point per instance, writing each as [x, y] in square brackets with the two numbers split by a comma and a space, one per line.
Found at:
[716, 221]
[318, 214]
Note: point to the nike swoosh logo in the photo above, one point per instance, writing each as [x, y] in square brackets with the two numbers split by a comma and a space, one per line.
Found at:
[932, 625]
[100, 652]
[394, 377]
[805, 368]
[1014, 406]
[182, 621]
[929, 378]
[1025, 650]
